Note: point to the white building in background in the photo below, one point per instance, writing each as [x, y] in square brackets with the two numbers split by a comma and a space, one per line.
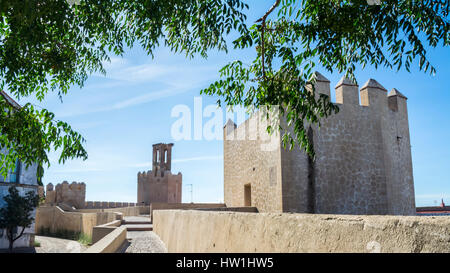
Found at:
[25, 180]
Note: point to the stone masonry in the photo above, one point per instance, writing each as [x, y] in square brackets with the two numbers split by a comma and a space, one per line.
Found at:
[363, 159]
[73, 194]
[160, 185]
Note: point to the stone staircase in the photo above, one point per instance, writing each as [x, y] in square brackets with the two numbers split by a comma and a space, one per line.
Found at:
[137, 223]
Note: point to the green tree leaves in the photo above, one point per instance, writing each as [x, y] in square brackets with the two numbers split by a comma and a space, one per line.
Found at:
[17, 213]
[29, 134]
[54, 44]
[338, 35]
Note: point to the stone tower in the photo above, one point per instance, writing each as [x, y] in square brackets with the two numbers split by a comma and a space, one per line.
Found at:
[159, 185]
[162, 157]
[363, 161]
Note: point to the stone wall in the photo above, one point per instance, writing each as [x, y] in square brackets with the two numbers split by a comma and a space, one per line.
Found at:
[291, 232]
[111, 243]
[160, 186]
[54, 218]
[250, 161]
[107, 205]
[126, 211]
[363, 158]
[170, 206]
[73, 194]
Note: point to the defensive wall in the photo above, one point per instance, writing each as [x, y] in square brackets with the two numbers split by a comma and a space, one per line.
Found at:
[54, 219]
[126, 211]
[183, 206]
[294, 232]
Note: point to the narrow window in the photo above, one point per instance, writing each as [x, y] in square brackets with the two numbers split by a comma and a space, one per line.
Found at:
[14, 174]
[247, 195]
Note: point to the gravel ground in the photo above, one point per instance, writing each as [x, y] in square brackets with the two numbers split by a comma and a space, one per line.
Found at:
[57, 245]
[143, 242]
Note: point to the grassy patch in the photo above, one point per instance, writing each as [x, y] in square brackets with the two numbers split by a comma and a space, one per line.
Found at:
[37, 244]
[84, 239]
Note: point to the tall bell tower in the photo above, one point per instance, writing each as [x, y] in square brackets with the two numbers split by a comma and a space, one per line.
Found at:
[162, 157]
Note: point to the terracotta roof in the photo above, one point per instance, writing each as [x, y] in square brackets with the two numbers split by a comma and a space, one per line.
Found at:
[10, 100]
[438, 209]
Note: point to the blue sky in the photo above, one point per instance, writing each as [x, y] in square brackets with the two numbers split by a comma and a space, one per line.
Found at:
[123, 113]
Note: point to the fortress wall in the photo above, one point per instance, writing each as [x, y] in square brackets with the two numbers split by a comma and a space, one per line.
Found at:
[143, 186]
[171, 206]
[174, 187]
[158, 188]
[287, 232]
[252, 157]
[107, 205]
[162, 188]
[73, 194]
[55, 219]
[126, 211]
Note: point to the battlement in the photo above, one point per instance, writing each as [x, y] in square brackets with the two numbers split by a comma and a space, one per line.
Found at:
[371, 94]
[370, 102]
[160, 174]
[107, 205]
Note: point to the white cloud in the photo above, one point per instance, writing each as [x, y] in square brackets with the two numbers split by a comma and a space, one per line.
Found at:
[199, 158]
[178, 79]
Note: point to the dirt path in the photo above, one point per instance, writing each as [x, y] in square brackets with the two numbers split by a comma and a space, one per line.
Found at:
[57, 245]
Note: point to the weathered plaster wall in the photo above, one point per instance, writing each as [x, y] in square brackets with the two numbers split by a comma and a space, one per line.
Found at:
[54, 218]
[27, 181]
[252, 158]
[170, 206]
[290, 232]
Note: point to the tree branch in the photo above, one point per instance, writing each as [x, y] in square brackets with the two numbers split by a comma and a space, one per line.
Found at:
[21, 233]
[263, 19]
[263, 27]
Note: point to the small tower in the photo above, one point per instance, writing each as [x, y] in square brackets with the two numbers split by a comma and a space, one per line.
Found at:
[162, 157]
[159, 185]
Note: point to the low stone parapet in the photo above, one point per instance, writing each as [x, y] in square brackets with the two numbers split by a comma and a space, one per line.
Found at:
[110, 243]
[98, 232]
[169, 206]
[213, 231]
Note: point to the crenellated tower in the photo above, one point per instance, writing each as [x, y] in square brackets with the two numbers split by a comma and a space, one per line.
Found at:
[159, 184]
[363, 162]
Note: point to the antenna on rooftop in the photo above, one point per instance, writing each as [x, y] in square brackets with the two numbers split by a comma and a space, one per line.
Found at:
[192, 190]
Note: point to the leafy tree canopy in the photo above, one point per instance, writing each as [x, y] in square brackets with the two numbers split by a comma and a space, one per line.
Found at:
[52, 45]
[296, 35]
